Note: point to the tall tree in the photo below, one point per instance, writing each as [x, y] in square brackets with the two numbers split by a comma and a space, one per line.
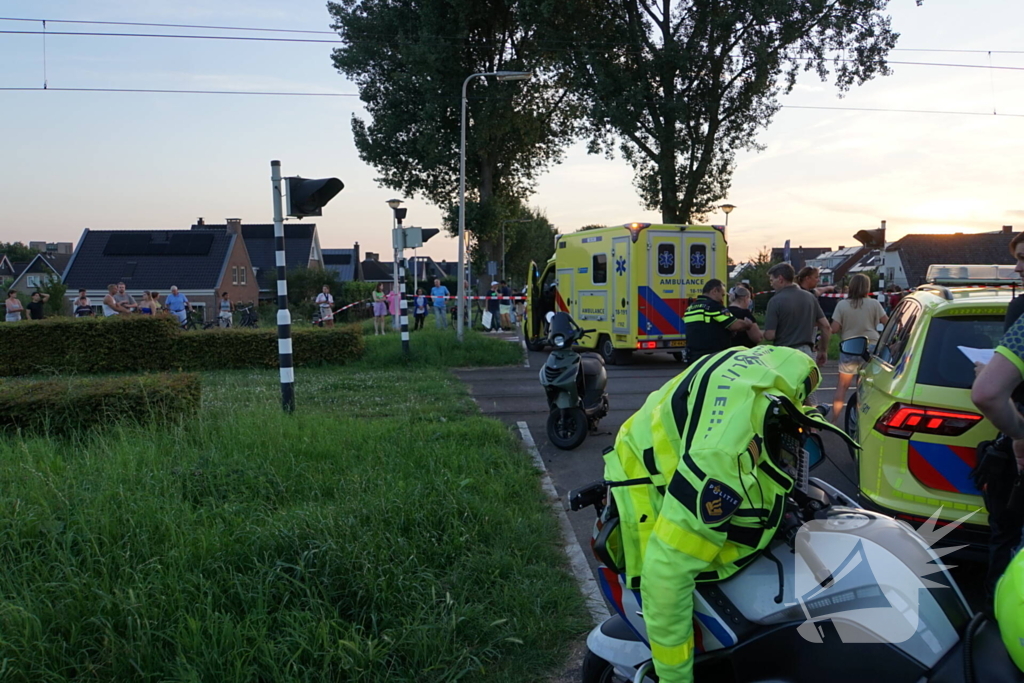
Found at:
[409, 60]
[682, 85]
[17, 251]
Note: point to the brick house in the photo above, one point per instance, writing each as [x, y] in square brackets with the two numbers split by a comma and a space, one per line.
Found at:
[201, 265]
[301, 247]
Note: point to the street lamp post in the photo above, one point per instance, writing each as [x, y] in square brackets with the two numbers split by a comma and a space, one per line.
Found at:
[727, 208]
[503, 223]
[461, 305]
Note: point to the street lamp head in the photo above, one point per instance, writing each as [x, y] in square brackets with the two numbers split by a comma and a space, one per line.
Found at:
[513, 75]
[394, 203]
[727, 208]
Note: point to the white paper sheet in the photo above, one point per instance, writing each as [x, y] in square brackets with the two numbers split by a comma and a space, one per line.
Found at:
[977, 355]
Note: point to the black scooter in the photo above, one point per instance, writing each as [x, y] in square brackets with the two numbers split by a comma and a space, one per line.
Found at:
[574, 383]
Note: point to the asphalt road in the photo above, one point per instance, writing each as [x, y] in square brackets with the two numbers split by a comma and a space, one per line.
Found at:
[515, 394]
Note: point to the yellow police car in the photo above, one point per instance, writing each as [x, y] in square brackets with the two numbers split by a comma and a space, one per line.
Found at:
[912, 413]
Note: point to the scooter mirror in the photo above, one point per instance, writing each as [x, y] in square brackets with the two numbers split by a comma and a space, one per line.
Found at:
[549, 316]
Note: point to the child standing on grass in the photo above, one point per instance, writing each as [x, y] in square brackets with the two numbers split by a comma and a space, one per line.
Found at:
[419, 310]
[380, 309]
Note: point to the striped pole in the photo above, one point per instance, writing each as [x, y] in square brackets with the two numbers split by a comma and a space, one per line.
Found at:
[403, 307]
[284, 317]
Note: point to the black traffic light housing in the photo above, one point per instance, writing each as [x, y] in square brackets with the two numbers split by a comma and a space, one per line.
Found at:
[307, 197]
[427, 233]
[872, 239]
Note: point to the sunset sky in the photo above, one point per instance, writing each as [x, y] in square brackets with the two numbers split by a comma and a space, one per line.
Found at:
[126, 160]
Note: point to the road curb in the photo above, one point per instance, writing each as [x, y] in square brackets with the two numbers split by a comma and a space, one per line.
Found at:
[577, 560]
[526, 351]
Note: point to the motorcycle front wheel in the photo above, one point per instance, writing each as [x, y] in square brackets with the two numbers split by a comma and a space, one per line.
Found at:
[596, 670]
[567, 428]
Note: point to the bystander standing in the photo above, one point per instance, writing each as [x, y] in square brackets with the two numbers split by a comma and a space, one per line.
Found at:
[739, 307]
[177, 304]
[792, 316]
[110, 305]
[35, 307]
[326, 303]
[13, 307]
[419, 310]
[146, 305]
[494, 307]
[82, 305]
[126, 300]
[505, 306]
[857, 316]
[439, 294]
[226, 310]
[709, 325]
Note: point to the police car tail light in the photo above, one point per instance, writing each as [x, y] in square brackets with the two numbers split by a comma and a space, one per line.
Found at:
[903, 421]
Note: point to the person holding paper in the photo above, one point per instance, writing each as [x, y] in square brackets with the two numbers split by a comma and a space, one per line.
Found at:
[998, 393]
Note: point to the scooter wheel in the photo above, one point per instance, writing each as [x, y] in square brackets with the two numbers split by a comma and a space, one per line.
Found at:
[596, 670]
[567, 429]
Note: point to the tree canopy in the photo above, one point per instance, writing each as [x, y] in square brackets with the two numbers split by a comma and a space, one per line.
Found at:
[681, 85]
[409, 61]
[17, 251]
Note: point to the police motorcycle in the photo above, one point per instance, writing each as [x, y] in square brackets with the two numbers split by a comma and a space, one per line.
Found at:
[575, 384]
[841, 594]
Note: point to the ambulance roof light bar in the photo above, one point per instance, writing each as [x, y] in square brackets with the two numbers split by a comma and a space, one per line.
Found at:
[635, 228]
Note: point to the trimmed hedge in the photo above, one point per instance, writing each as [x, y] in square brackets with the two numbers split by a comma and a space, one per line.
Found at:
[145, 343]
[59, 406]
[248, 348]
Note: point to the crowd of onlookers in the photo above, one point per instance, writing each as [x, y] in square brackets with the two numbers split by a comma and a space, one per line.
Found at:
[116, 302]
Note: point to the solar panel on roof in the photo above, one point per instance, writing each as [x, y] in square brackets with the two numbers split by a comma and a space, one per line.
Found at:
[157, 244]
[126, 244]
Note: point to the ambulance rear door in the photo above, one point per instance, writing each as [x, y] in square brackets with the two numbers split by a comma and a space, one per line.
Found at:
[663, 298]
[622, 295]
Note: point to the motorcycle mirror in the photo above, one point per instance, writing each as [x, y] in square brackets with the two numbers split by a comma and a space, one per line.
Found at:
[815, 450]
[856, 346]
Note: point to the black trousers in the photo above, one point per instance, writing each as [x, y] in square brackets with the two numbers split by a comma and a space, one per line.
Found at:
[1004, 500]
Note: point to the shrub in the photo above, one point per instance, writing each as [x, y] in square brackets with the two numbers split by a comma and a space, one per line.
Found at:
[248, 348]
[59, 406]
[140, 343]
[86, 345]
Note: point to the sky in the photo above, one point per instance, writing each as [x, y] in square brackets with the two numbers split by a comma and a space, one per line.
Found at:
[74, 160]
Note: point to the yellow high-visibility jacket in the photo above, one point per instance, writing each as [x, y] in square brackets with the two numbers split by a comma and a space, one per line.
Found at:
[715, 497]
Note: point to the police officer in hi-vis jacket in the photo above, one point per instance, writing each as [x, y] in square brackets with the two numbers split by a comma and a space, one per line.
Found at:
[718, 482]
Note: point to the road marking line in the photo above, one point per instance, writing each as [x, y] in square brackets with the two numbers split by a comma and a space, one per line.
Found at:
[577, 561]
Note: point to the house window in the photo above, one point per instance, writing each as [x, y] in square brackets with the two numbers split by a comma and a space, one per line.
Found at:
[241, 275]
[234, 275]
[599, 269]
[32, 281]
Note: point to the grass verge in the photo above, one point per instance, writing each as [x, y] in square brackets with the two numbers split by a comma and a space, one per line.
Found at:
[438, 348]
[383, 532]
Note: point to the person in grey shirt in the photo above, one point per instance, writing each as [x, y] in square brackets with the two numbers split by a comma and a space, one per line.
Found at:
[793, 314]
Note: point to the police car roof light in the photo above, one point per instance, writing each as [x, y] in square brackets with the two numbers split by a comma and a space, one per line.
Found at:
[971, 274]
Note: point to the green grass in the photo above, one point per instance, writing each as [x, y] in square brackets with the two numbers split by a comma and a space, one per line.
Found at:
[383, 532]
[438, 348]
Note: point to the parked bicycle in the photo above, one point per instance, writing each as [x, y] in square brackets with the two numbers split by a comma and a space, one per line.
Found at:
[250, 318]
[191, 323]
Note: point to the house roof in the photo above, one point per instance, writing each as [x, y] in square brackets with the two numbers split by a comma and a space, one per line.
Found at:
[376, 271]
[149, 259]
[917, 252]
[342, 262]
[43, 262]
[798, 256]
[259, 242]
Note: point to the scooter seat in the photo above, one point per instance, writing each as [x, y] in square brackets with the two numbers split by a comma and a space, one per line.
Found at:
[593, 364]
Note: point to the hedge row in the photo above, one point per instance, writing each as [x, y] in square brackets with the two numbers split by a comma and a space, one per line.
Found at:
[58, 406]
[144, 343]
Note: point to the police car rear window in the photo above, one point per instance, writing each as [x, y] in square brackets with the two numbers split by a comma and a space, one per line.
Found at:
[942, 363]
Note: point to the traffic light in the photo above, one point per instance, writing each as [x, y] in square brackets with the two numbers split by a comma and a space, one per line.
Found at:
[872, 239]
[306, 197]
[415, 237]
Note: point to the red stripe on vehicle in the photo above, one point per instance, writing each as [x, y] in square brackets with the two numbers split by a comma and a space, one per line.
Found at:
[926, 473]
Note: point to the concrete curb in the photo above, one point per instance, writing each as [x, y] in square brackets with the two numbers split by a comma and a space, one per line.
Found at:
[526, 352]
[577, 561]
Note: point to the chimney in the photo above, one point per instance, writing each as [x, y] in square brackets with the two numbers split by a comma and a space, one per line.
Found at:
[883, 225]
[1007, 229]
[200, 221]
[841, 247]
[234, 226]
[372, 256]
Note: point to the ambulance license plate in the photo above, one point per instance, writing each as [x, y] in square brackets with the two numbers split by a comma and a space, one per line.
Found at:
[677, 342]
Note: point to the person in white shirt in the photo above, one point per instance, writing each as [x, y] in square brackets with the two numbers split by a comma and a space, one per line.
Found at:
[326, 303]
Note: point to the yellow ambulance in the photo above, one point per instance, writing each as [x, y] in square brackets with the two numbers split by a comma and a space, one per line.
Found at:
[631, 283]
